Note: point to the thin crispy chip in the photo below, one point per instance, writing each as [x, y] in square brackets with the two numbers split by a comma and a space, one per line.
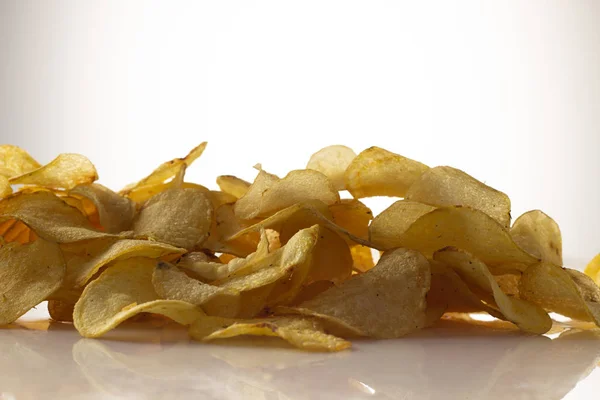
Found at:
[331, 259]
[332, 161]
[539, 235]
[386, 302]
[233, 185]
[142, 194]
[5, 188]
[60, 310]
[121, 292]
[28, 274]
[311, 291]
[447, 186]
[353, 216]
[461, 227]
[269, 194]
[362, 258]
[303, 333]
[378, 172]
[180, 217]
[64, 172]
[15, 231]
[15, 161]
[49, 217]
[527, 316]
[115, 212]
[554, 289]
[593, 269]
[171, 283]
[226, 224]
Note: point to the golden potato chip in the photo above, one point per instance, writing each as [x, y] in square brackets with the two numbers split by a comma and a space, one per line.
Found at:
[269, 194]
[353, 216]
[180, 217]
[387, 301]
[115, 212]
[509, 283]
[121, 292]
[226, 224]
[311, 291]
[332, 161]
[461, 227]
[593, 269]
[28, 274]
[304, 333]
[64, 172]
[539, 235]
[171, 283]
[554, 289]
[13, 230]
[60, 310]
[527, 316]
[15, 161]
[5, 188]
[447, 186]
[362, 258]
[233, 185]
[142, 194]
[378, 172]
[331, 258]
[49, 217]
[588, 289]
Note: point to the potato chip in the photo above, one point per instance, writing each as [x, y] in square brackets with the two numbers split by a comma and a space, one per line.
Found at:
[332, 161]
[28, 274]
[64, 172]
[593, 269]
[362, 258]
[15, 161]
[378, 172]
[171, 283]
[61, 311]
[353, 216]
[461, 227]
[447, 186]
[554, 289]
[121, 292]
[233, 185]
[331, 259]
[13, 230]
[180, 217]
[303, 333]
[226, 224]
[372, 304]
[269, 194]
[5, 188]
[539, 235]
[311, 291]
[142, 194]
[115, 212]
[527, 316]
[49, 217]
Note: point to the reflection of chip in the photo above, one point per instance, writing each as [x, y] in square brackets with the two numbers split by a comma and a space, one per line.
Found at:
[280, 257]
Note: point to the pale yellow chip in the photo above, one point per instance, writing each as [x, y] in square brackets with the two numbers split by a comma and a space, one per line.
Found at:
[5, 188]
[121, 292]
[29, 273]
[554, 289]
[303, 333]
[526, 315]
[447, 186]
[15, 161]
[539, 235]
[378, 172]
[64, 172]
[143, 193]
[387, 301]
[461, 227]
[332, 161]
[180, 217]
[233, 185]
[269, 194]
[593, 269]
[226, 224]
[353, 216]
[171, 283]
[115, 212]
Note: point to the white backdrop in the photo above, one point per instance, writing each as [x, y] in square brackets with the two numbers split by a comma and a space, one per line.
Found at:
[508, 91]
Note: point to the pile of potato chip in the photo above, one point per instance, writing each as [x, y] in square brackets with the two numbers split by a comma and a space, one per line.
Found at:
[283, 257]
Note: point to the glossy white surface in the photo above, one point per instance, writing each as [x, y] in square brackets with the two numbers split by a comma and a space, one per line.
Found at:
[44, 360]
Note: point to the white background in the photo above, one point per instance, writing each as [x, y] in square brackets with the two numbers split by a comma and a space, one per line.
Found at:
[508, 91]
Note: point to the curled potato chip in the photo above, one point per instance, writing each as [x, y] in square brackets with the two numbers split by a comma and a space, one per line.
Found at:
[61, 310]
[233, 185]
[387, 301]
[29, 273]
[64, 172]
[539, 235]
[461, 227]
[15, 161]
[5, 188]
[554, 289]
[121, 292]
[269, 194]
[226, 224]
[180, 217]
[332, 161]
[311, 291]
[115, 212]
[593, 269]
[13, 230]
[527, 316]
[447, 186]
[353, 216]
[303, 333]
[50, 217]
[378, 172]
[171, 283]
